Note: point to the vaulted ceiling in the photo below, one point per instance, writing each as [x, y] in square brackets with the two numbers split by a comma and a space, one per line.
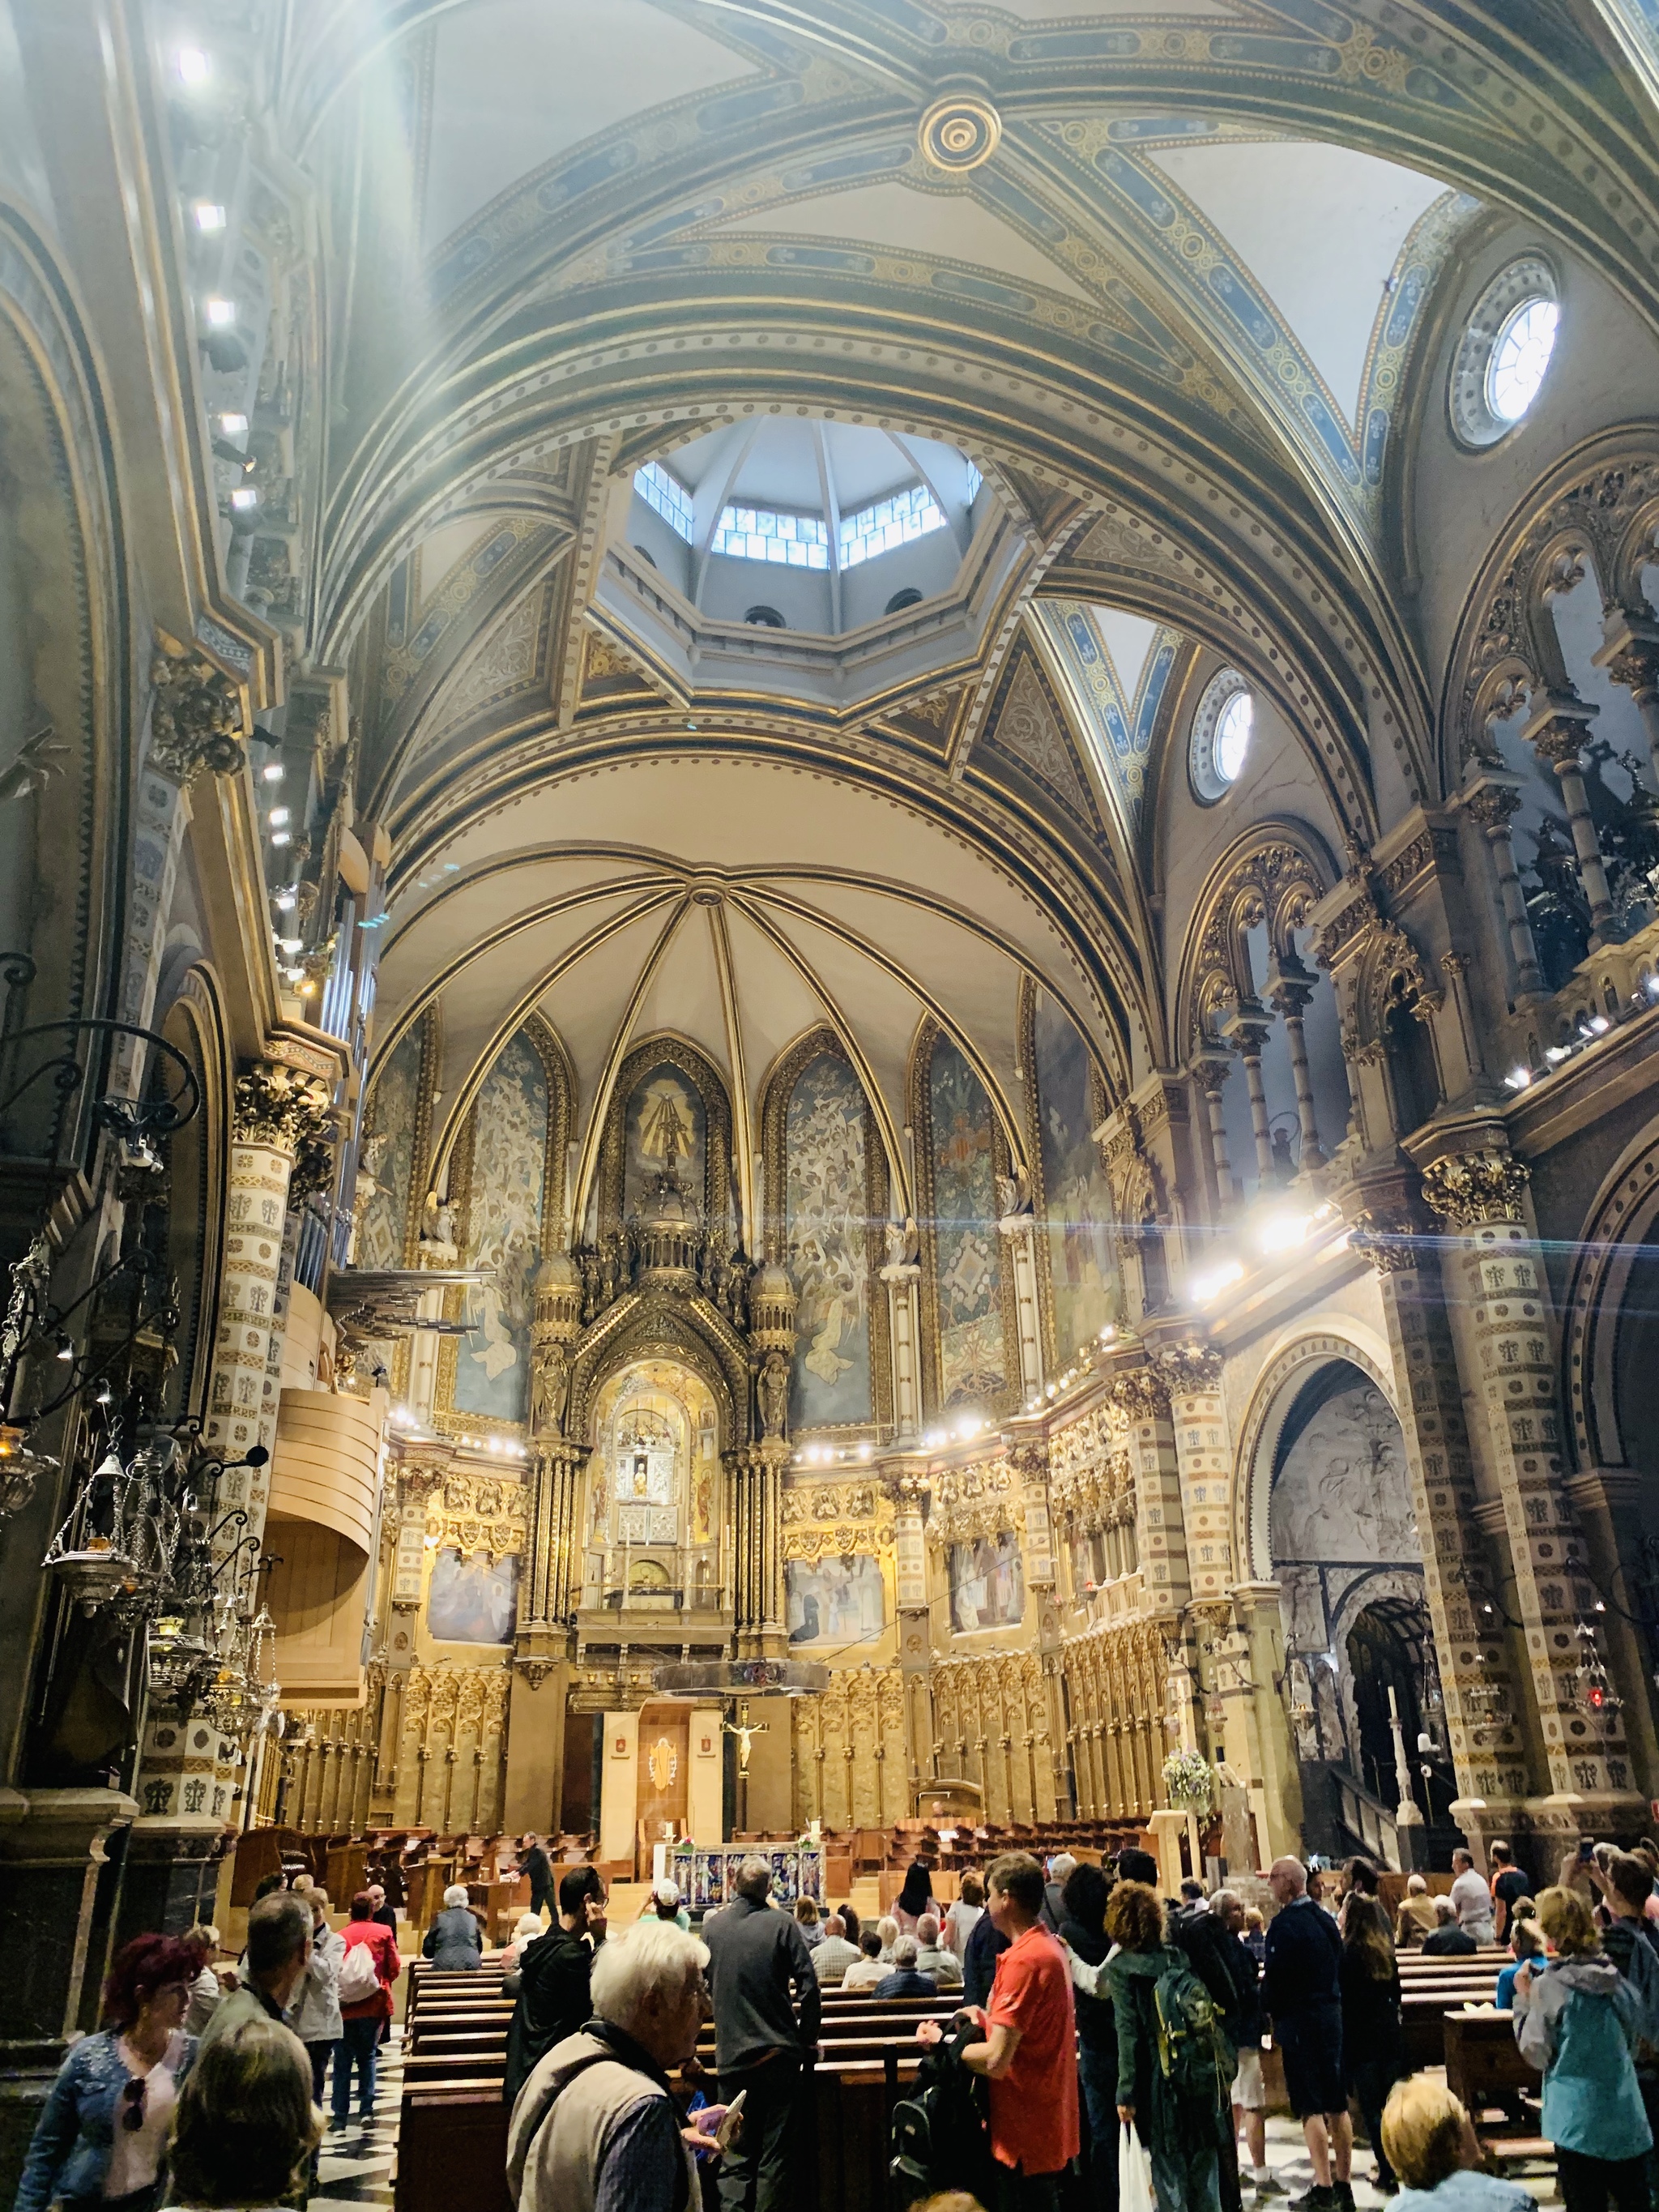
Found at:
[1171, 317]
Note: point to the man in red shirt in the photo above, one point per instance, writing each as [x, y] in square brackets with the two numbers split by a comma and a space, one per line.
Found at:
[1029, 2052]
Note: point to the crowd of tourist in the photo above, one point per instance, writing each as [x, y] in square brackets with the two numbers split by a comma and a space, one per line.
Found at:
[1111, 2022]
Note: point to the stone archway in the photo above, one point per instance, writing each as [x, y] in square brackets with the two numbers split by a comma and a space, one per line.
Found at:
[1331, 1522]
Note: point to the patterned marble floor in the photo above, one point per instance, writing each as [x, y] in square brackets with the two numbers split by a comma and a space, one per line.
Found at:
[357, 2161]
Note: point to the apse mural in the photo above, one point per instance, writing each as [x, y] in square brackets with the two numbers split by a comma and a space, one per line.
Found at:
[834, 1600]
[666, 1126]
[1077, 1197]
[472, 1600]
[970, 1349]
[987, 1583]
[386, 1160]
[828, 1233]
[504, 1221]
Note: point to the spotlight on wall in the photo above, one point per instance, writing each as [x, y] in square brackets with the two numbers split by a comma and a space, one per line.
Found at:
[193, 66]
[221, 313]
[209, 216]
[232, 426]
[1203, 1288]
[245, 499]
[1281, 1231]
[1518, 1077]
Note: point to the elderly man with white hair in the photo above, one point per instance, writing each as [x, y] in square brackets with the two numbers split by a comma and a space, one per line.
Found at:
[759, 1971]
[595, 2128]
[1053, 1889]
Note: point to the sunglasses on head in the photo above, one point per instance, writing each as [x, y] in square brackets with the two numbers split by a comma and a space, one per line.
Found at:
[132, 2104]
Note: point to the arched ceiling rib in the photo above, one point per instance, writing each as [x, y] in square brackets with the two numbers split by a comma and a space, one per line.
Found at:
[739, 925]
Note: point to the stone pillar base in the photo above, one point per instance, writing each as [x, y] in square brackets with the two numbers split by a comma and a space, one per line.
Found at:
[170, 1877]
[54, 1919]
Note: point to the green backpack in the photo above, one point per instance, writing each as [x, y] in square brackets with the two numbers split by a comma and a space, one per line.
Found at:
[1194, 2055]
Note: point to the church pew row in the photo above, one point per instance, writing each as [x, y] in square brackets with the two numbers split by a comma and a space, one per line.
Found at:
[452, 2144]
[1499, 2089]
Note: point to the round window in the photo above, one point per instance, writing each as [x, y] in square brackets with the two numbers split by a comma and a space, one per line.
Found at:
[1221, 735]
[1505, 351]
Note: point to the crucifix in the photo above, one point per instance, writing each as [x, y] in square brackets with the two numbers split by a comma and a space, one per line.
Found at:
[745, 1734]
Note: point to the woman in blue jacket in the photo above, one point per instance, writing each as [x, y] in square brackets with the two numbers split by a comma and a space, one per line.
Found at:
[101, 2138]
[1578, 2024]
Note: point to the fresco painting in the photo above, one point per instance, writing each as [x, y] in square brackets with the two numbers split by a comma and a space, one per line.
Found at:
[987, 1583]
[388, 1158]
[472, 1600]
[834, 1600]
[504, 1228]
[972, 1365]
[666, 1126]
[828, 1232]
[1077, 1197]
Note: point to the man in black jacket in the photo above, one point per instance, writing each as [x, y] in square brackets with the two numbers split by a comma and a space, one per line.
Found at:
[539, 1868]
[759, 1970]
[1301, 1993]
[550, 1983]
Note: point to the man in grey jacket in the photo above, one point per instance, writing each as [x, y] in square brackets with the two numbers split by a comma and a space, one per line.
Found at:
[595, 2128]
[759, 1968]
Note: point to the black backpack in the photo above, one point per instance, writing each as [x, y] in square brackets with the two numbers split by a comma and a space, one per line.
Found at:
[938, 2134]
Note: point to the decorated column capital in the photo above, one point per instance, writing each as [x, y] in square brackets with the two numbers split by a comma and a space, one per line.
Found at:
[1141, 1395]
[1630, 653]
[280, 1106]
[195, 724]
[1188, 1367]
[1467, 1190]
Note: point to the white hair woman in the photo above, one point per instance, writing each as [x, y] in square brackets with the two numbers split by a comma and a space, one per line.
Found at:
[455, 1939]
[528, 1928]
[595, 2126]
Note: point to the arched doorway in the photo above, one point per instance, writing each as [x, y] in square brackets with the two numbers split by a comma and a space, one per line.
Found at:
[1345, 1553]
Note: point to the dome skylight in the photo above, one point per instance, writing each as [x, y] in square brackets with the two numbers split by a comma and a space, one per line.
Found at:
[1520, 357]
[851, 514]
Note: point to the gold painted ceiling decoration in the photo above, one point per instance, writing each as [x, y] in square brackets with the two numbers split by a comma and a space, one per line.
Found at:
[1160, 273]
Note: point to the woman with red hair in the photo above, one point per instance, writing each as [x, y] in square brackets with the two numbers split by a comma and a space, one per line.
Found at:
[102, 2134]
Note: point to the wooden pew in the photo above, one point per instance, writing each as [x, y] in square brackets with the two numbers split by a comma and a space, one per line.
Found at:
[1484, 2068]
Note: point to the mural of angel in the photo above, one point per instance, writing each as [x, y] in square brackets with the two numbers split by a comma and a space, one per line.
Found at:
[966, 1239]
[492, 1369]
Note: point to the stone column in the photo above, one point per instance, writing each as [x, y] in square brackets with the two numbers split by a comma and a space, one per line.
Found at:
[1289, 992]
[903, 1281]
[1506, 1333]
[1211, 1074]
[1018, 1239]
[1631, 657]
[1269, 1753]
[1556, 733]
[189, 1769]
[1491, 803]
[1198, 1417]
[1142, 1402]
[908, 1483]
[1485, 1731]
[1246, 1028]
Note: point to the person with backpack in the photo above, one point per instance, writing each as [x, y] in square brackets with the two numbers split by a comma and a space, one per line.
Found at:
[1301, 1994]
[1229, 1973]
[368, 1966]
[1028, 2052]
[1174, 2063]
[1578, 2025]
